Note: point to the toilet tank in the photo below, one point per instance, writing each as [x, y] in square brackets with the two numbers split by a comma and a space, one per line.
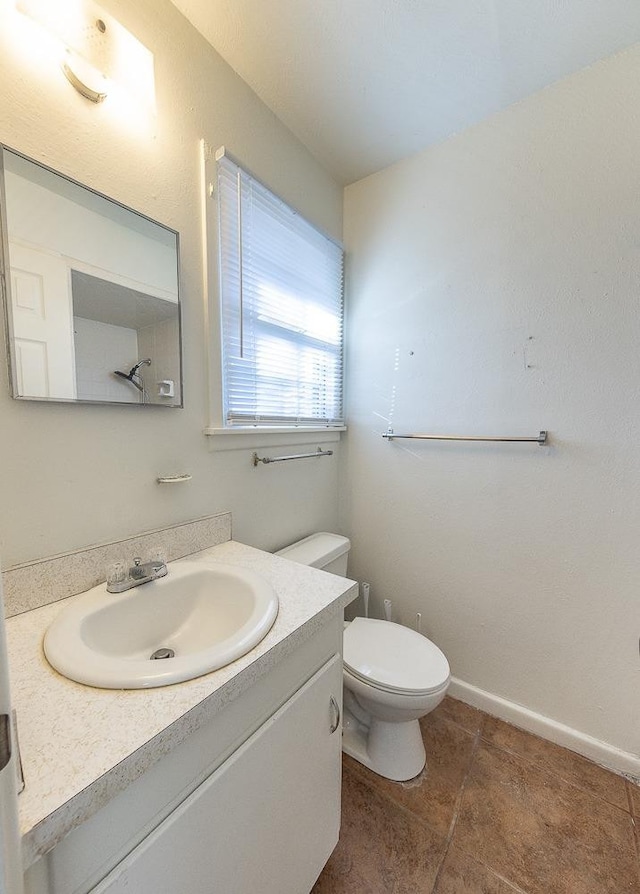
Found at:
[329, 552]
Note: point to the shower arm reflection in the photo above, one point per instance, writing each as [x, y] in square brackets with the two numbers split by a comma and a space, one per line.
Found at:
[134, 376]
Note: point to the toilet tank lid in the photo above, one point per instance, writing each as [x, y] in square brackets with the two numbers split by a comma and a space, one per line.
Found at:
[317, 550]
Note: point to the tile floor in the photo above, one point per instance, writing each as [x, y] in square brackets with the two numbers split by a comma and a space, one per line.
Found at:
[496, 811]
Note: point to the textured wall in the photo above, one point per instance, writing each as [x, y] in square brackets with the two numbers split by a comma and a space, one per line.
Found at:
[74, 475]
[494, 290]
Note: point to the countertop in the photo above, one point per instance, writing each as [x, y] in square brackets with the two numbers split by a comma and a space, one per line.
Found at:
[80, 745]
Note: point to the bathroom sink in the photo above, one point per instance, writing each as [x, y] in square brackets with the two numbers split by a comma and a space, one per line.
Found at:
[207, 614]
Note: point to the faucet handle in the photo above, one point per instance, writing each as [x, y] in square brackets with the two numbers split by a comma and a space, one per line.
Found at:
[159, 555]
[116, 573]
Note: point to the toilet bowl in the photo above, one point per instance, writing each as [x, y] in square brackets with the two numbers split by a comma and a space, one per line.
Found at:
[392, 676]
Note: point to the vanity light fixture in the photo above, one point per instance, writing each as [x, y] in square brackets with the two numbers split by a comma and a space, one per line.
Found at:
[98, 56]
[87, 80]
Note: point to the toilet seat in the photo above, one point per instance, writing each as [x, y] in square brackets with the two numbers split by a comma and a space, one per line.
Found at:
[393, 658]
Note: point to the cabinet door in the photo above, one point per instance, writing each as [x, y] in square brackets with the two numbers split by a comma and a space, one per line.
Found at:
[265, 822]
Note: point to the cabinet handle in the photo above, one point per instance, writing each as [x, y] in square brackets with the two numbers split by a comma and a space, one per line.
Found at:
[335, 714]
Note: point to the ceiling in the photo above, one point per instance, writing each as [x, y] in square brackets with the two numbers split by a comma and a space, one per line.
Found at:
[364, 83]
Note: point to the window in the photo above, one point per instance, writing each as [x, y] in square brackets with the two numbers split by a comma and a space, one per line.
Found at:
[282, 310]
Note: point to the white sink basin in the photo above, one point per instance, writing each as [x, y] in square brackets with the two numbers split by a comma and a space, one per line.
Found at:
[209, 615]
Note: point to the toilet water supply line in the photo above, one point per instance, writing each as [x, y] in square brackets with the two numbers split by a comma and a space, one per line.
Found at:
[365, 598]
[366, 589]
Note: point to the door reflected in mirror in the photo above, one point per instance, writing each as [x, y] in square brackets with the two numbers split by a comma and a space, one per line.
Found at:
[92, 301]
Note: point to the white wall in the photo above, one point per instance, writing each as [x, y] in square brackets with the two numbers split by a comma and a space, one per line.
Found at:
[494, 289]
[75, 475]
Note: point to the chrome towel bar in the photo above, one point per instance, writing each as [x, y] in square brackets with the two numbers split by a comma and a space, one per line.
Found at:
[541, 439]
[282, 459]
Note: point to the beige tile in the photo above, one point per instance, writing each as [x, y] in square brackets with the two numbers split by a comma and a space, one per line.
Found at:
[634, 803]
[382, 849]
[432, 796]
[634, 795]
[461, 874]
[457, 712]
[543, 834]
[564, 763]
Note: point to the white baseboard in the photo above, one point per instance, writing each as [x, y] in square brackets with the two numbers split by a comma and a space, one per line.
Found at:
[600, 752]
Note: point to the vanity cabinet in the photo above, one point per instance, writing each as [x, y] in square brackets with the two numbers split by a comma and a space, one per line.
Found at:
[249, 802]
[266, 820]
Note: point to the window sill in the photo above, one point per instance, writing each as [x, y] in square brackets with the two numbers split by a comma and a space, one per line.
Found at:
[253, 436]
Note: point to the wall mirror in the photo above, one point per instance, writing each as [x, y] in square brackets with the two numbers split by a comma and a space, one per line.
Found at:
[91, 293]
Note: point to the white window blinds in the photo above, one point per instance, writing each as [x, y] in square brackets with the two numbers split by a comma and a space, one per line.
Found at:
[282, 309]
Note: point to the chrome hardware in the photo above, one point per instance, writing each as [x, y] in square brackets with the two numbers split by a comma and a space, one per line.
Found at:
[162, 653]
[390, 435]
[281, 459]
[139, 573]
[174, 479]
[335, 715]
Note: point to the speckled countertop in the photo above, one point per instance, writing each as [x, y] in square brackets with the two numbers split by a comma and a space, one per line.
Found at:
[80, 746]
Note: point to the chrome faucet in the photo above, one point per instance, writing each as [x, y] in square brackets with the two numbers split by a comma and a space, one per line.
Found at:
[139, 573]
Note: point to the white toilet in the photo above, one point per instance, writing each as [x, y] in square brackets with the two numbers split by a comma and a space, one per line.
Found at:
[392, 676]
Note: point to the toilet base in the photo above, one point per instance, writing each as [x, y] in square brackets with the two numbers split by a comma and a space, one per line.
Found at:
[393, 750]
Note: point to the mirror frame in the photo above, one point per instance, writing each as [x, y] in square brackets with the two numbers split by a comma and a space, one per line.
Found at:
[5, 291]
